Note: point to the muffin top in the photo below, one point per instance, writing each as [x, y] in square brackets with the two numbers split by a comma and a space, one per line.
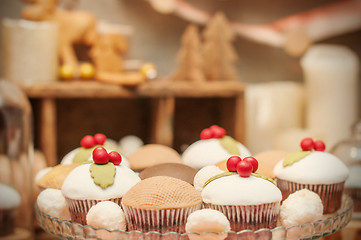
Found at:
[313, 167]
[176, 170]
[162, 192]
[153, 154]
[80, 184]
[236, 190]
[55, 176]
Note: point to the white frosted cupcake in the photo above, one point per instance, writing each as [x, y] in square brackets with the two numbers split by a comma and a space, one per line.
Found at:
[213, 147]
[313, 169]
[89, 184]
[88, 143]
[249, 200]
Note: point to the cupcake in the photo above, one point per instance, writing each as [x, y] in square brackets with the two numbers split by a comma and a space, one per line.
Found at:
[104, 179]
[214, 146]
[313, 169]
[160, 204]
[249, 200]
[176, 170]
[9, 202]
[88, 143]
[152, 154]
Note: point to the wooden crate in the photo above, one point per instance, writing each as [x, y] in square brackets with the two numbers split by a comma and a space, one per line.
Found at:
[169, 113]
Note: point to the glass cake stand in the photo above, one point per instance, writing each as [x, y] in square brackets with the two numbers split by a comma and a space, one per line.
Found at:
[329, 224]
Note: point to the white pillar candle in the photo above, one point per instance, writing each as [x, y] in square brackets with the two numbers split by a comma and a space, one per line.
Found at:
[271, 108]
[331, 75]
[29, 51]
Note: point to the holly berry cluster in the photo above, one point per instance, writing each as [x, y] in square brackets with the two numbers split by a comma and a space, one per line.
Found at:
[101, 156]
[244, 167]
[89, 141]
[213, 131]
[307, 144]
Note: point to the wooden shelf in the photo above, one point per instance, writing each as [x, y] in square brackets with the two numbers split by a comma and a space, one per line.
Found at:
[162, 94]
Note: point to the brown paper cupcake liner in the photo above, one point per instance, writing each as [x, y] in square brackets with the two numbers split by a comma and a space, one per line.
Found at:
[355, 194]
[251, 217]
[78, 209]
[166, 220]
[330, 194]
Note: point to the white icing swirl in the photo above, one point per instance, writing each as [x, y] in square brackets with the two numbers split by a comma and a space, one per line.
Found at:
[209, 152]
[316, 168]
[236, 190]
[80, 185]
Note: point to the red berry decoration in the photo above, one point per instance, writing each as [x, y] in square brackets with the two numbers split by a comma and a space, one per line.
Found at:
[100, 155]
[100, 139]
[115, 157]
[232, 163]
[206, 134]
[244, 168]
[87, 141]
[307, 144]
[218, 132]
[253, 162]
[319, 146]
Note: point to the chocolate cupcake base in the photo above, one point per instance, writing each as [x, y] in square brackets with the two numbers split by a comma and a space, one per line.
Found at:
[330, 194]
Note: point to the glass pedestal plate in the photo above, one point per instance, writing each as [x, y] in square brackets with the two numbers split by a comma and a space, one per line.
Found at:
[329, 224]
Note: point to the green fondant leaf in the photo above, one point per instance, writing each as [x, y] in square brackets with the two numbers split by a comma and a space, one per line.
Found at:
[103, 174]
[291, 158]
[230, 145]
[223, 174]
[82, 156]
[264, 177]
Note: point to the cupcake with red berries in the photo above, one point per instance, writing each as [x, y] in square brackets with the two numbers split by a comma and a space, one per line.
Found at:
[88, 143]
[314, 169]
[248, 199]
[214, 146]
[105, 179]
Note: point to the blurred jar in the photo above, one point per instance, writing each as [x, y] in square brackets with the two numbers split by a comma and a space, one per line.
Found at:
[16, 154]
[349, 151]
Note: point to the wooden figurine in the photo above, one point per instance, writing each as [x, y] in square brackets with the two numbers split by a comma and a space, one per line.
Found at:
[107, 53]
[74, 27]
[189, 57]
[218, 52]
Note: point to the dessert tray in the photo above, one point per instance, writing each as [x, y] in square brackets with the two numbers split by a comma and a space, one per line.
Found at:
[329, 224]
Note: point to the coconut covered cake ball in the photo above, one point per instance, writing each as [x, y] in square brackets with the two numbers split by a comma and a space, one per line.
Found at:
[106, 214]
[52, 202]
[203, 175]
[300, 207]
[207, 220]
